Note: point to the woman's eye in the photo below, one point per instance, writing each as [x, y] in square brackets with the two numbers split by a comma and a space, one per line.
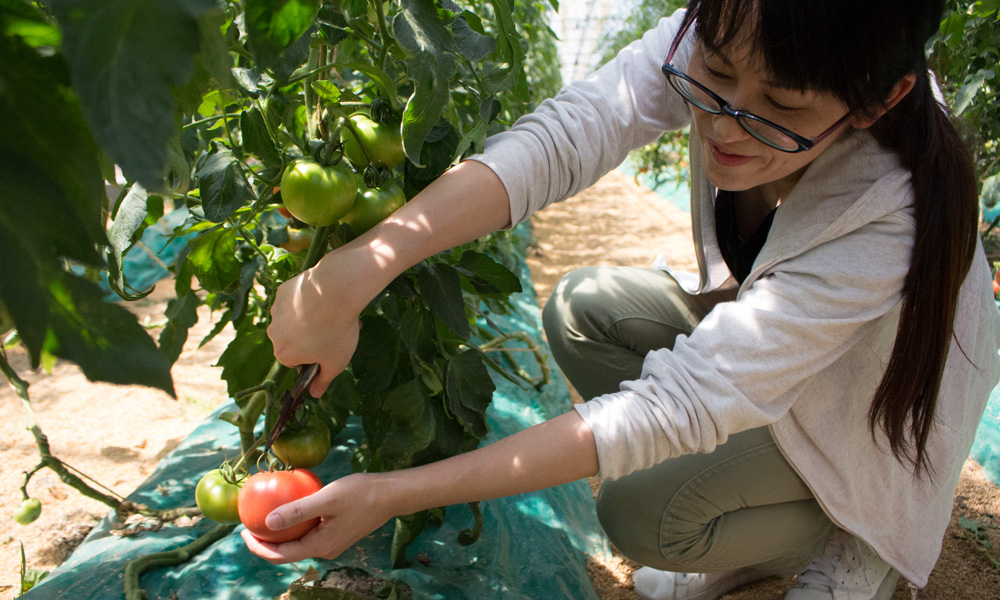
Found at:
[780, 106]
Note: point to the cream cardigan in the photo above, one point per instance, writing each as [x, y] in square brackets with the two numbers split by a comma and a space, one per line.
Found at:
[805, 344]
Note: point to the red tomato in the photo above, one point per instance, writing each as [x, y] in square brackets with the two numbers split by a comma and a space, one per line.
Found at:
[263, 492]
[996, 287]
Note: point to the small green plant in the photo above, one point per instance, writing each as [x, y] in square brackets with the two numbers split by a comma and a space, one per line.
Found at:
[977, 532]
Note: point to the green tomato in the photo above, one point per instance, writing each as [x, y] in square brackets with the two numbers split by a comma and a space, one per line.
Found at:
[318, 195]
[383, 143]
[372, 206]
[217, 497]
[306, 447]
[28, 511]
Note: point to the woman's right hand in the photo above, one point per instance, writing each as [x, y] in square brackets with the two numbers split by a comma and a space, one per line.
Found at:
[314, 319]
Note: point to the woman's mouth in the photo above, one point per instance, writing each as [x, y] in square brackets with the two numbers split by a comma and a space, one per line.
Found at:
[726, 159]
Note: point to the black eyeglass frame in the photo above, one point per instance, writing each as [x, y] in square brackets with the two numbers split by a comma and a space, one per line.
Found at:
[804, 143]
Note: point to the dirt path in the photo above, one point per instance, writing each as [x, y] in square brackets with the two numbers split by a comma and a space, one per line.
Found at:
[118, 434]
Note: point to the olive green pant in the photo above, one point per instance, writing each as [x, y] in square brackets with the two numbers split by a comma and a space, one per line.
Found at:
[740, 506]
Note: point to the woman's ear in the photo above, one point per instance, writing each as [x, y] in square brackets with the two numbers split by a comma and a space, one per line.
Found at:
[897, 93]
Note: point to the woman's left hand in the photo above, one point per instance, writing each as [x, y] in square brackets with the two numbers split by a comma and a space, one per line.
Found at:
[349, 509]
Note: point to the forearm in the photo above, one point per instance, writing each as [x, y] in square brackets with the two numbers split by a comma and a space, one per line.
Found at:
[464, 204]
[552, 453]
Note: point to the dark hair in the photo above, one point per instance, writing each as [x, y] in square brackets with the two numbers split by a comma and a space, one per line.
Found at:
[858, 50]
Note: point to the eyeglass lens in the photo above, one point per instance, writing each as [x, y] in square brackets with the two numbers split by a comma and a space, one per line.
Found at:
[701, 99]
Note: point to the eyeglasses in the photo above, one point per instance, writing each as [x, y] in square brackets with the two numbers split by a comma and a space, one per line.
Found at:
[772, 134]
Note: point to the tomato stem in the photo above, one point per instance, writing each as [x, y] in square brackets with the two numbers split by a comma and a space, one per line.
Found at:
[136, 567]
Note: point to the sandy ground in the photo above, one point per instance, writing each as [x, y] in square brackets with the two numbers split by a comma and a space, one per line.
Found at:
[118, 434]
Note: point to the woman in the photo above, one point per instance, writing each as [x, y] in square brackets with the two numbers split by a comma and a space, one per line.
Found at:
[803, 405]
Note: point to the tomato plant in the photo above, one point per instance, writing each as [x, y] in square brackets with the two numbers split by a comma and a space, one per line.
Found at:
[305, 447]
[367, 141]
[28, 511]
[265, 491]
[217, 102]
[372, 205]
[318, 195]
[216, 496]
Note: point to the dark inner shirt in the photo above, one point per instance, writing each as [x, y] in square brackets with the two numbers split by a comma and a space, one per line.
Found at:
[738, 253]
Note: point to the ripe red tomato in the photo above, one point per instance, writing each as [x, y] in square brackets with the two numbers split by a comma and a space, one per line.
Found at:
[263, 492]
[216, 497]
[306, 447]
[372, 206]
[383, 143]
[318, 195]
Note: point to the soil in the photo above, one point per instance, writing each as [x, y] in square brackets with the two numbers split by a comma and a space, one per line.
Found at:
[118, 434]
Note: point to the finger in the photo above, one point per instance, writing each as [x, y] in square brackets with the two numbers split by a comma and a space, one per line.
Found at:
[295, 512]
[277, 554]
[321, 382]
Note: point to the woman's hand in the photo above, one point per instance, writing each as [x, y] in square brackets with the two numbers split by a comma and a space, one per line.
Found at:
[314, 319]
[349, 508]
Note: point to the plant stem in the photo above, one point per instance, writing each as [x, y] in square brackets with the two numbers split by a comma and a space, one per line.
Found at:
[136, 567]
[20, 387]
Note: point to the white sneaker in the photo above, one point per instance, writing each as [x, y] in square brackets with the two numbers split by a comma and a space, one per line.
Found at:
[846, 570]
[651, 584]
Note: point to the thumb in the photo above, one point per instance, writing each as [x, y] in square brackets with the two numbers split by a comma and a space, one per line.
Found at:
[319, 384]
[294, 512]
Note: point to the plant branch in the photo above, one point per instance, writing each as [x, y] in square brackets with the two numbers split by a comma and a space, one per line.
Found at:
[136, 567]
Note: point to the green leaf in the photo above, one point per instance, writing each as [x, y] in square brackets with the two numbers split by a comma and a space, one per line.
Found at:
[213, 259]
[510, 54]
[470, 38]
[408, 527]
[430, 65]
[44, 125]
[224, 186]
[256, 138]
[213, 63]
[967, 93]
[125, 57]
[441, 288]
[247, 359]
[469, 391]
[102, 338]
[487, 275]
[991, 190]
[416, 328]
[182, 314]
[412, 424]
[377, 355]
[130, 221]
[272, 26]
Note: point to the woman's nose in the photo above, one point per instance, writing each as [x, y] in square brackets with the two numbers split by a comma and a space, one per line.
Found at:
[727, 128]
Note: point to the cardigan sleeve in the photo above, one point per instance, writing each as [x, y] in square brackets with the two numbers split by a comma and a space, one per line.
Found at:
[585, 131]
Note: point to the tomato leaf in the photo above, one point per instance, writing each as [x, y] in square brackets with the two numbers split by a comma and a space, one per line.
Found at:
[224, 186]
[440, 286]
[130, 221]
[430, 64]
[470, 39]
[510, 55]
[125, 57]
[416, 328]
[408, 528]
[412, 424]
[247, 359]
[375, 360]
[182, 314]
[469, 391]
[213, 259]
[102, 338]
[272, 26]
[256, 139]
[486, 275]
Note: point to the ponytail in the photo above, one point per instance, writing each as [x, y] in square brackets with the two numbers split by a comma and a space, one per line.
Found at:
[946, 206]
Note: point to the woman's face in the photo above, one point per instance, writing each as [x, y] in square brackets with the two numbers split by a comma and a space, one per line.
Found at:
[735, 160]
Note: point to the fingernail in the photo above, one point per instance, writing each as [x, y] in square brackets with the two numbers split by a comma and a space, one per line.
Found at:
[273, 521]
